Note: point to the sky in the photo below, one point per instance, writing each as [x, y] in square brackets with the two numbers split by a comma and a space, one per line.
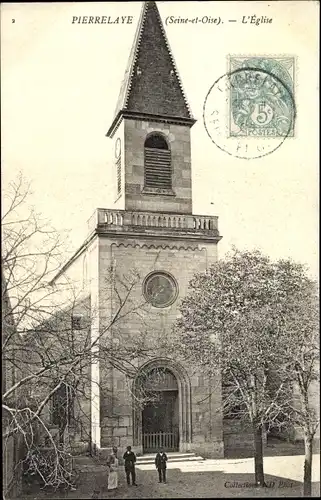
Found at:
[60, 83]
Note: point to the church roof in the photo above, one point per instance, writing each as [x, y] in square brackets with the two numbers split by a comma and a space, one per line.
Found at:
[151, 85]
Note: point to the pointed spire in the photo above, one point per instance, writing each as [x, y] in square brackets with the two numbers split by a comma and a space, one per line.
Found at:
[151, 86]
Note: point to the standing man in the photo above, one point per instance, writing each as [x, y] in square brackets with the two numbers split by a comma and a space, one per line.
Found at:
[130, 459]
[160, 463]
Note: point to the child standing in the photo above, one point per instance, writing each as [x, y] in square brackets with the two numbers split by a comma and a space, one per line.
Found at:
[160, 463]
[113, 470]
[130, 459]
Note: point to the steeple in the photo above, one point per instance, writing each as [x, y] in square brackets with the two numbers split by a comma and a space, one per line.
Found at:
[151, 86]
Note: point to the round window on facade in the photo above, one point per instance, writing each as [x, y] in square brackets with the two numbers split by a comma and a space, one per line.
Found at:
[160, 289]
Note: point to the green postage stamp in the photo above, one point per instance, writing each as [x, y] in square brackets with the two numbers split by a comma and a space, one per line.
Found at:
[261, 96]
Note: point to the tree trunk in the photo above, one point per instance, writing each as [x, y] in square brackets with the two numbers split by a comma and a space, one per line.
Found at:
[258, 455]
[307, 480]
[62, 428]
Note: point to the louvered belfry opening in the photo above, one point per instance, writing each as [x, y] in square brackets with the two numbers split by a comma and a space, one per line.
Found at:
[158, 168]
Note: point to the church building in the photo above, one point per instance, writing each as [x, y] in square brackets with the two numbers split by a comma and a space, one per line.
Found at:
[151, 226]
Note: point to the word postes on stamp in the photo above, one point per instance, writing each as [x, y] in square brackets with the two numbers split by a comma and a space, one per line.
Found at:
[250, 111]
[261, 96]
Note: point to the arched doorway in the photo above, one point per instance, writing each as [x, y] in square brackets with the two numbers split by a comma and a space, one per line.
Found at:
[160, 414]
[163, 416]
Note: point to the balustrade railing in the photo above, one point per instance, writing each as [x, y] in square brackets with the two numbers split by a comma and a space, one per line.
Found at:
[153, 441]
[120, 218]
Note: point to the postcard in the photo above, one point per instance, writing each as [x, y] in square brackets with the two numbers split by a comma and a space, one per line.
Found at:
[154, 143]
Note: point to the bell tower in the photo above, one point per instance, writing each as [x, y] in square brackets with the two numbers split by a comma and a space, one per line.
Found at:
[152, 230]
[151, 126]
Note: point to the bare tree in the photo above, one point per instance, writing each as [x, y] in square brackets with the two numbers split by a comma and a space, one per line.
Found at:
[30, 253]
[52, 346]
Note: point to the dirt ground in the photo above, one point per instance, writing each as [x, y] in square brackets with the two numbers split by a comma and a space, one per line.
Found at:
[225, 478]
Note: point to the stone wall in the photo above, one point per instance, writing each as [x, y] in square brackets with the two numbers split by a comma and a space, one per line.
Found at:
[178, 138]
[181, 259]
[56, 336]
[238, 438]
[207, 428]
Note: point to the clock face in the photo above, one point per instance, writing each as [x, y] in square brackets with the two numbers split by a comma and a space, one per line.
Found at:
[160, 289]
[117, 148]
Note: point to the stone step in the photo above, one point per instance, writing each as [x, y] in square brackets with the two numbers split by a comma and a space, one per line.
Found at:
[87, 463]
[170, 454]
[172, 457]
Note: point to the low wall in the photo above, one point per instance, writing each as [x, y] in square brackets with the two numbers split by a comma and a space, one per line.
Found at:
[12, 456]
[238, 438]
